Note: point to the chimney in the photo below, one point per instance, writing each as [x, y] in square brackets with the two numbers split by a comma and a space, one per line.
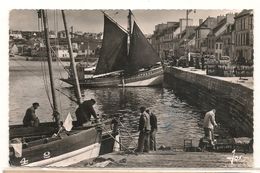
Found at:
[219, 18]
[200, 21]
[230, 18]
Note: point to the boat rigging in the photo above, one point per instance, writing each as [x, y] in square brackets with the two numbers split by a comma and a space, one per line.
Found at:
[126, 59]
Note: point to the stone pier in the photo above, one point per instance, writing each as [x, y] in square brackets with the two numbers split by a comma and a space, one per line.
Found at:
[230, 96]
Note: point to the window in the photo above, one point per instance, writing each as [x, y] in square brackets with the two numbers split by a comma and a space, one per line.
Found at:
[216, 46]
[241, 39]
[220, 46]
[244, 38]
[247, 39]
[241, 24]
[244, 23]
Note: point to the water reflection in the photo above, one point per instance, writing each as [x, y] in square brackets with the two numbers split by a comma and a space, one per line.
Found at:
[177, 120]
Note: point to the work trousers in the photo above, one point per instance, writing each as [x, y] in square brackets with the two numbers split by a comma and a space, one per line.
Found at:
[144, 141]
[153, 140]
[209, 133]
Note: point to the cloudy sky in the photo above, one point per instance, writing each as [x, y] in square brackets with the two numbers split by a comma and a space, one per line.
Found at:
[92, 20]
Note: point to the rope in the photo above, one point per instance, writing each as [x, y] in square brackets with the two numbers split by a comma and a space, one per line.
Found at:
[130, 135]
[118, 141]
[67, 96]
[55, 43]
[45, 82]
[43, 68]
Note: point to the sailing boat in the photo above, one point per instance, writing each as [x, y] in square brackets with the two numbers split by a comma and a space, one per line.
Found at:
[118, 67]
[48, 145]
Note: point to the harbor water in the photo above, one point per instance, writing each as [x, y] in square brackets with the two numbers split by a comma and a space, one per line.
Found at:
[177, 120]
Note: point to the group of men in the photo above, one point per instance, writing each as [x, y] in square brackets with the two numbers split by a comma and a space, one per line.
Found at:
[147, 129]
[83, 113]
[147, 123]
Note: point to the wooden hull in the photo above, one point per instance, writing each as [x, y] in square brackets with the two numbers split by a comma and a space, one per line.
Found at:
[64, 151]
[109, 144]
[81, 143]
[153, 77]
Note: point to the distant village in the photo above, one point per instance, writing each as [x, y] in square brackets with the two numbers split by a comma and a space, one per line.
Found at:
[229, 35]
[31, 44]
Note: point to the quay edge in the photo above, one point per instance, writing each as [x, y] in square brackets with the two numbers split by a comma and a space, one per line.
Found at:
[232, 100]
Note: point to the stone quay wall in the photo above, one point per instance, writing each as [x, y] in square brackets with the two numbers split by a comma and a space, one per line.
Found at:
[233, 101]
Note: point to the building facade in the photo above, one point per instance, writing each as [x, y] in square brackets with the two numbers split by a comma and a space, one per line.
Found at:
[228, 38]
[164, 38]
[223, 22]
[244, 35]
[202, 32]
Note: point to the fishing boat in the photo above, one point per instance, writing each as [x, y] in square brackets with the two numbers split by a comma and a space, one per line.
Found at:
[54, 144]
[121, 64]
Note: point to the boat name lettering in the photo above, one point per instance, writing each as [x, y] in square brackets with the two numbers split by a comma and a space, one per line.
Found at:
[24, 161]
[47, 155]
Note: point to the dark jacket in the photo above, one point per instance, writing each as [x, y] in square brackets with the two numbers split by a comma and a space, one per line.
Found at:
[84, 112]
[153, 121]
[30, 118]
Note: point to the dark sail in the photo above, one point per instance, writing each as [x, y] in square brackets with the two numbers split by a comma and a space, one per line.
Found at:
[141, 54]
[114, 48]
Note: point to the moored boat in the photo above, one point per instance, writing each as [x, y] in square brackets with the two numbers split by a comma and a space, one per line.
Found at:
[56, 144]
[121, 64]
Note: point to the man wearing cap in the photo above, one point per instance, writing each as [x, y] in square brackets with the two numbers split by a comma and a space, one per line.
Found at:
[30, 119]
[84, 112]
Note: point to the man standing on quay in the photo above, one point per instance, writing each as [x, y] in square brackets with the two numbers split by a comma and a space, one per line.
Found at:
[144, 128]
[209, 124]
[153, 122]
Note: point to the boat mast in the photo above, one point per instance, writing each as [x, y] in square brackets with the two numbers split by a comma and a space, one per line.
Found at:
[74, 71]
[46, 31]
[129, 30]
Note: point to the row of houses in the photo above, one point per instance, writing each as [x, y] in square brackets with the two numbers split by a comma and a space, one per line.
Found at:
[227, 35]
[16, 35]
[87, 44]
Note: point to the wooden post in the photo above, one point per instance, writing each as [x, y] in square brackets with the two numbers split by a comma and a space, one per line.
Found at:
[46, 31]
[74, 71]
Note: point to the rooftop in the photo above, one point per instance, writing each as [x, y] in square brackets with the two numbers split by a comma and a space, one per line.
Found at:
[220, 25]
[243, 13]
[204, 23]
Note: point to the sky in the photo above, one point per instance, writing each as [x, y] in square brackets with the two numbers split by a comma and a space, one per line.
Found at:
[92, 20]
